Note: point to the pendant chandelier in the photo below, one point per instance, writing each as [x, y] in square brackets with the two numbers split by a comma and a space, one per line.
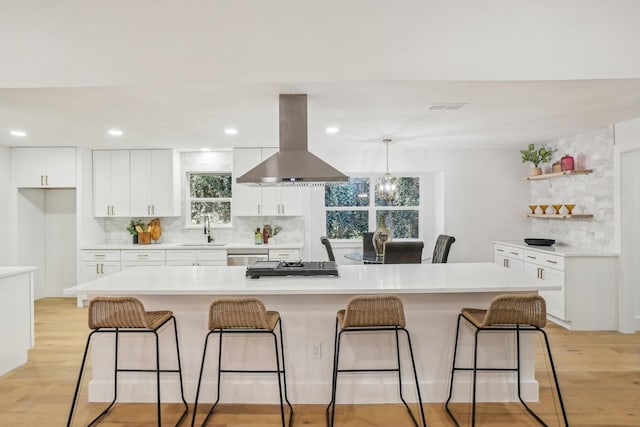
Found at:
[388, 187]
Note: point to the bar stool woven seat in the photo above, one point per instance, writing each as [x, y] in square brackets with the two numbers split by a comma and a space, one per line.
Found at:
[372, 313]
[244, 316]
[506, 313]
[125, 315]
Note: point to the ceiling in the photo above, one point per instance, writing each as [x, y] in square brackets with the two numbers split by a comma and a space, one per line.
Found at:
[172, 75]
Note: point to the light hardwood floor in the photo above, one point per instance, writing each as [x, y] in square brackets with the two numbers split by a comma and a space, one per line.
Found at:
[599, 374]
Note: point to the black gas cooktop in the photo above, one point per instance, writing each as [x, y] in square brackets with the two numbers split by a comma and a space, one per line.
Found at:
[296, 268]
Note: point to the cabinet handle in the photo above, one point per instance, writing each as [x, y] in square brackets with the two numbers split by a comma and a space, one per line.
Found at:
[46, 179]
[282, 208]
[153, 209]
[552, 262]
[532, 257]
[41, 180]
[259, 213]
[506, 263]
[515, 253]
[102, 268]
[143, 256]
[499, 250]
[97, 268]
[99, 256]
[113, 210]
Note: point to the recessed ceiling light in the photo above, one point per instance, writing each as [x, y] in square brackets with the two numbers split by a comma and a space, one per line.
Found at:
[231, 131]
[115, 132]
[332, 129]
[205, 149]
[18, 133]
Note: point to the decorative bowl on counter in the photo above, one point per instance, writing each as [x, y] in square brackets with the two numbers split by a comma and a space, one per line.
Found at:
[539, 242]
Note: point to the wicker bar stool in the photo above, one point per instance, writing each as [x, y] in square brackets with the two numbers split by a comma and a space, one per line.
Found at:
[243, 316]
[506, 313]
[372, 313]
[124, 315]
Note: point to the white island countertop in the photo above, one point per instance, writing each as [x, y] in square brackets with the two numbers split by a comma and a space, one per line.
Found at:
[12, 271]
[397, 278]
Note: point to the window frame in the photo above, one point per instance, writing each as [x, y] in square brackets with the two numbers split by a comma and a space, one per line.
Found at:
[372, 209]
[189, 200]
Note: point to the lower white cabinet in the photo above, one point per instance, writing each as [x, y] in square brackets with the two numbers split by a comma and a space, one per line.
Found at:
[141, 258]
[587, 298]
[197, 257]
[284, 254]
[96, 264]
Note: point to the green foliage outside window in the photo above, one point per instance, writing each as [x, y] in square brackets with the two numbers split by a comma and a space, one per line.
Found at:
[352, 193]
[347, 224]
[350, 212]
[210, 194]
[403, 224]
[408, 193]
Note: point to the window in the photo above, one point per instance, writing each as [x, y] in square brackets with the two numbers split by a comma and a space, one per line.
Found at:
[354, 207]
[209, 194]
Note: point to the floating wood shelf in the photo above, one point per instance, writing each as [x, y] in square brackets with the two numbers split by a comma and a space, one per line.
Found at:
[558, 174]
[560, 216]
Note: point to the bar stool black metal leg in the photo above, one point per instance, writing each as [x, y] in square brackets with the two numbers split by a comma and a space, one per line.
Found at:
[335, 381]
[275, 344]
[453, 369]
[158, 379]
[555, 377]
[334, 374]
[284, 372]
[206, 419]
[475, 376]
[415, 377]
[204, 356]
[186, 405]
[77, 390]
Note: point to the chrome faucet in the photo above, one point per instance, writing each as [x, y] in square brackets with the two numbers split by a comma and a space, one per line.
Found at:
[207, 229]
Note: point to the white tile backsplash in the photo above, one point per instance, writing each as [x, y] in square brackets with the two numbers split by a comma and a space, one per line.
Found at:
[592, 193]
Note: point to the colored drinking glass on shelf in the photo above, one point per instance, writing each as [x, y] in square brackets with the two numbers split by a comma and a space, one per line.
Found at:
[557, 209]
[533, 208]
[544, 208]
[569, 207]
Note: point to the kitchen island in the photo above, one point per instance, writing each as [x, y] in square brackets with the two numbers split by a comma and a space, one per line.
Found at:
[432, 295]
[16, 316]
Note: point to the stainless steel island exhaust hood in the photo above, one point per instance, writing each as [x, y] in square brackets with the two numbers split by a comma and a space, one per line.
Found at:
[293, 164]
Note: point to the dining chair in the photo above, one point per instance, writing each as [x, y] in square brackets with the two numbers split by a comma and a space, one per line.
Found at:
[441, 249]
[327, 245]
[368, 248]
[402, 252]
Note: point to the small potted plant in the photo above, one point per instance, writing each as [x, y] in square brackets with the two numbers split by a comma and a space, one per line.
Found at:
[132, 229]
[536, 157]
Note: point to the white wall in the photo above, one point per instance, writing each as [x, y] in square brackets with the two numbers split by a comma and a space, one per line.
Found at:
[592, 193]
[60, 240]
[627, 156]
[31, 247]
[5, 205]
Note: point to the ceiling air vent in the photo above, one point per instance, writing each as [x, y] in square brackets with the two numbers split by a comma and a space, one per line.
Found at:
[450, 106]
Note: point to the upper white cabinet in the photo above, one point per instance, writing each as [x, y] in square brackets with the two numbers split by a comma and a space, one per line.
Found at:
[266, 201]
[53, 167]
[154, 189]
[111, 195]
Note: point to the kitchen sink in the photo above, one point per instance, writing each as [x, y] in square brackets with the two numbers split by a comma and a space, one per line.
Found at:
[204, 244]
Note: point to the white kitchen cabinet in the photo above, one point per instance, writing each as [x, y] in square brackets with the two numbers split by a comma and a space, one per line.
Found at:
[143, 258]
[197, 257]
[154, 183]
[587, 299]
[53, 167]
[549, 268]
[111, 195]
[266, 201]
[509, 257]
[97, 264]
[284, 254]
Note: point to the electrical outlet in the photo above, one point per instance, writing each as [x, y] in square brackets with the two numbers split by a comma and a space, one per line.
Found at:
[315, 351]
